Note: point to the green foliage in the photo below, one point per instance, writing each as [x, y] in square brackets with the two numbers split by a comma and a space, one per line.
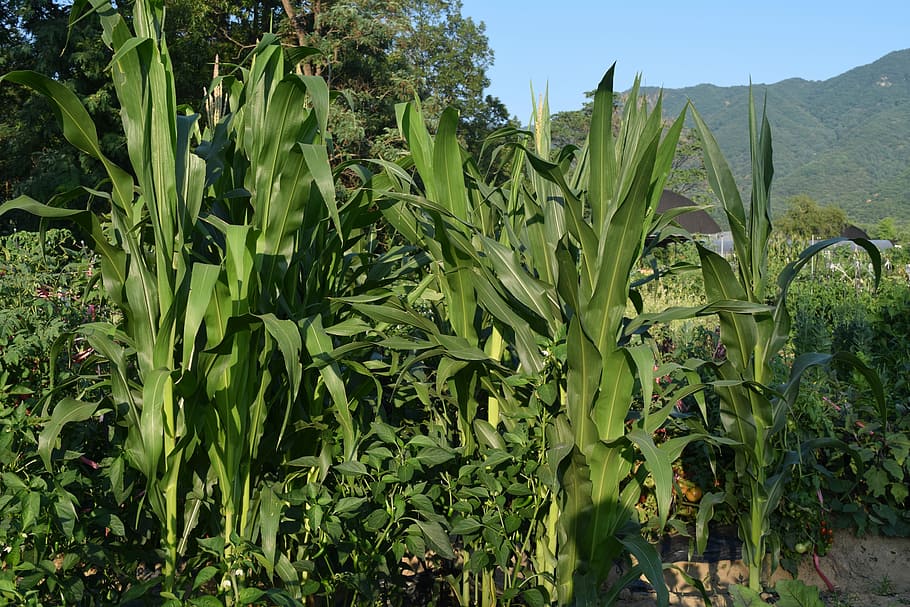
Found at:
[283, 406]
[420, 47]
[65, 531]
[790, 593]
[805, 219]
[47, 290]
[751, 414]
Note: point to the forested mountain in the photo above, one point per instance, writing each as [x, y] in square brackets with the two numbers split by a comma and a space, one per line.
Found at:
[843, 141]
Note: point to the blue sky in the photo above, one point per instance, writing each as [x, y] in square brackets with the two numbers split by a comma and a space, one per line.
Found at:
[570, 44]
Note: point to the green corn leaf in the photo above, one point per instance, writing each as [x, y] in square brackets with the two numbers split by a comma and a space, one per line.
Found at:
[720, 177]
[317, 160]
[202, 289]
[650, 564]
[77, 125]
[459, 348]
[447, 167]
[760, 209]
[705, 514]
[738, 331]
[644, 365]
[529, 291]
[270, 507]
[602, 178]
[524, 339]
[607, 467]
[584, 376]
[574, 525]
[614, 399]
[413, 129]
[488, 435]
[319, 345]
[567, 282]
[604, 313]
[318, 91]
[156, 396]
[661, 467]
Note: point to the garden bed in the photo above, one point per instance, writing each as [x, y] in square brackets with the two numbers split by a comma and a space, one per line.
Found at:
[868, 571]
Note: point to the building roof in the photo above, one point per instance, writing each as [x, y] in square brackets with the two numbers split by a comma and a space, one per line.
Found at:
[852, 231]
[696, 222]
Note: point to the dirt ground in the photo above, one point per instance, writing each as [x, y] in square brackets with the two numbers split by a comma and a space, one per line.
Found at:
[866, 572]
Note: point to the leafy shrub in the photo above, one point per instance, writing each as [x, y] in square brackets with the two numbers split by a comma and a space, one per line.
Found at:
[45, 293]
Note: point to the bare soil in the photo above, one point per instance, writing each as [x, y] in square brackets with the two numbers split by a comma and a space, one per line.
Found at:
[865, 571]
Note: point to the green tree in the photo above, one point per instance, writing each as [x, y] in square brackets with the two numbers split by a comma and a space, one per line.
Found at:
[805, 218]
[886, 229]
[379, 52]
[422, 48]
[35, 158]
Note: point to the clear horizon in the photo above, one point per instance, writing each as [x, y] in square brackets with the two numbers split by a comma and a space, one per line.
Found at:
[676, 45]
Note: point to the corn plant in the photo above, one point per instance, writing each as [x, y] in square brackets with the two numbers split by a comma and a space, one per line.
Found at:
[556, 269]
[752, 413]
[206, 256]
[609, 210]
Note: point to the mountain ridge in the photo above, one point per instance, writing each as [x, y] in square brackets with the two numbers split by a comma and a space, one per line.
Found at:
[844, 141]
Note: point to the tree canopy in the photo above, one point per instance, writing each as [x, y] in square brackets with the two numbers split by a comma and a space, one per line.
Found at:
[806, 218]
[378, 52]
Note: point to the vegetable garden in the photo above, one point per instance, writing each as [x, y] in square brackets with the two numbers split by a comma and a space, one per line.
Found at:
[239, 374]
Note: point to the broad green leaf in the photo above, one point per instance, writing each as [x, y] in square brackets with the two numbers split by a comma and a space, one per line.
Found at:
[349, 504]
[250, 596]
[437, 539]
[31, 507]
[796, 593]
[205, 574]
[351, 468]
[68, 410]
[743, 596]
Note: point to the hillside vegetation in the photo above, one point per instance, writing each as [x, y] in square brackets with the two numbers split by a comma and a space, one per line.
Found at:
[843, 141]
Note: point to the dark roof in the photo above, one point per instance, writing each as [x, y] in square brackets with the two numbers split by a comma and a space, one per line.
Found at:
[696, 222]
[853, 232]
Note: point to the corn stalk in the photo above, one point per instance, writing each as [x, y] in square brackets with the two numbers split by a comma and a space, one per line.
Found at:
[752, 413]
